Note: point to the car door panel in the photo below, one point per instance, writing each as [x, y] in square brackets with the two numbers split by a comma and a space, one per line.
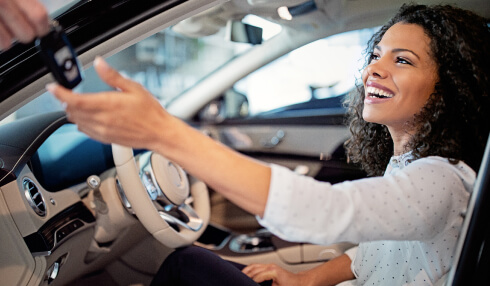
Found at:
[307, 147]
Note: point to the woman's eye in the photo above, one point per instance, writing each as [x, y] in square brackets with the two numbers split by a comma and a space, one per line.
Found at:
[403, 61]
[374, 57]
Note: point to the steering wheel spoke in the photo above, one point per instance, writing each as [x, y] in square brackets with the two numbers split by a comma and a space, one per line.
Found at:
[183, 216]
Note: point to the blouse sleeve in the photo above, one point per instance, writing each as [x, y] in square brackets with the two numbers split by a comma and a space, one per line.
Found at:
[414, 203]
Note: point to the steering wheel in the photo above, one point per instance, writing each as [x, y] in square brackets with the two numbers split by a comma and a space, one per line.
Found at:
[158, 191]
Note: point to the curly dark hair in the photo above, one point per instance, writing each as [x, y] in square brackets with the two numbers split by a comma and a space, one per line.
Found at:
[454, 123]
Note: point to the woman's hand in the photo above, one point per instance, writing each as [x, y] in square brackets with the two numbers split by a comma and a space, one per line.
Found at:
[331, 272]
[22, 20]
[279, 276]
[128, 116]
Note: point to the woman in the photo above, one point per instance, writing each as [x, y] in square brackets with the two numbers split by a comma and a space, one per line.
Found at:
[420, 117]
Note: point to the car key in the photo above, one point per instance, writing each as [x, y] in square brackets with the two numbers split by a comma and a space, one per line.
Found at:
[60, 57]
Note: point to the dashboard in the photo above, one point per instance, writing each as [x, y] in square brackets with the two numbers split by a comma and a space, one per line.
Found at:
[68, 157]
[49, 227]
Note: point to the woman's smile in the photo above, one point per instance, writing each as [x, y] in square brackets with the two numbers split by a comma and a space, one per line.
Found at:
[376, 93]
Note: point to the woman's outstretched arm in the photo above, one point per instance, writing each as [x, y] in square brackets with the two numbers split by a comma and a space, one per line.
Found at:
[131, 116]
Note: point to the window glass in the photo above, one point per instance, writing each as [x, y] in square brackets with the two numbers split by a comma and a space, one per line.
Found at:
[325, 68]
[56, 7]
[167, 63]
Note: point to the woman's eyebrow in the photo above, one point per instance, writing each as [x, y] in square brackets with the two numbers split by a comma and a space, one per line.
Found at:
[397, 50]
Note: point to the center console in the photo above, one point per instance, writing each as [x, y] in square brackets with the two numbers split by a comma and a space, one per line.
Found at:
[264, 247]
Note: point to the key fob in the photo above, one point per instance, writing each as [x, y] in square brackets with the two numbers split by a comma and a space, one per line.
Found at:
[60, 57]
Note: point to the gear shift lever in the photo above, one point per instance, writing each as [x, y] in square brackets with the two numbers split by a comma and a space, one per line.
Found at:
[93, 182]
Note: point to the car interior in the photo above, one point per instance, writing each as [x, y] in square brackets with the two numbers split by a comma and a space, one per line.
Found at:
[266, 78]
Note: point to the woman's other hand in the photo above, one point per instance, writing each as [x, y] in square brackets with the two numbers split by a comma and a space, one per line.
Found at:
[331, 272]
[280, 277]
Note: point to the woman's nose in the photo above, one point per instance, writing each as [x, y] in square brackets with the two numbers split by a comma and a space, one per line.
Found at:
[377, 69]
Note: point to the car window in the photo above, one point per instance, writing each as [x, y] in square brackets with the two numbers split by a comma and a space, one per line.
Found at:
[167, 63]
[56, 7]
[326, 68]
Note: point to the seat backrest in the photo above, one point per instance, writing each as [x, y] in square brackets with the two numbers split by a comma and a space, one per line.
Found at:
[470, 266]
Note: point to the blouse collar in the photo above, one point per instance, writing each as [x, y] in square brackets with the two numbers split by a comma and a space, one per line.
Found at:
[402, 160]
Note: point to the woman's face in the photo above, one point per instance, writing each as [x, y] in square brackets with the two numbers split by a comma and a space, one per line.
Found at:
[400, 78]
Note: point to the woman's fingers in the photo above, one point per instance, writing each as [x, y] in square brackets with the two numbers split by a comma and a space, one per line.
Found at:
[113, 78]
[279, 276]
[130, 116]
[75, 102]
[261, 272]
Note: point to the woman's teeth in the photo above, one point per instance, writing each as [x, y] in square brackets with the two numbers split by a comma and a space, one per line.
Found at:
[376, 92]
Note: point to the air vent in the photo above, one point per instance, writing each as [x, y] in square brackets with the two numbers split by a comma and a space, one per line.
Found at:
[34, 197]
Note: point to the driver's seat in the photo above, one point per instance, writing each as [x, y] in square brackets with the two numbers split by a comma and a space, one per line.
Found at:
[472, 256]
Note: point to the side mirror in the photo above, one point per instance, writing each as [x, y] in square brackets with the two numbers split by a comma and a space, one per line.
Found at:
[237, 31]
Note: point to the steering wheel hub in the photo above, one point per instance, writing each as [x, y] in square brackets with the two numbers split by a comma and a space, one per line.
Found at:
[163, 178]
